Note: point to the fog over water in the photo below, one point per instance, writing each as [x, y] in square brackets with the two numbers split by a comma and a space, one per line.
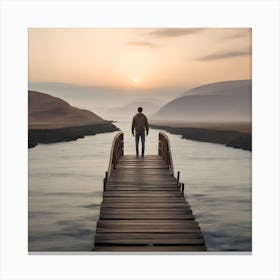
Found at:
[65, 190]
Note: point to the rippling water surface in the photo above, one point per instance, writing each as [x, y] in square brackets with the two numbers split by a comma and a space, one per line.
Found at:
[65, 190]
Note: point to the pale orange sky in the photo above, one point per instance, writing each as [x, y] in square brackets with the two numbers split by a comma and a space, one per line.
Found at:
[139, 58]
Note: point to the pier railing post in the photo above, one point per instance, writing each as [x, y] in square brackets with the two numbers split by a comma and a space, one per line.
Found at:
[183, 188]
[178, 177]
[105, 181]
[104, 184]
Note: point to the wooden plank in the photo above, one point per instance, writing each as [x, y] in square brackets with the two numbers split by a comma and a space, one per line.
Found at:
[154, 172]
[133, 188]
[141, 168]
[148, 229]
[142, 229]
[143, 205]
[143, 164]
[143, 193]
[150, 199]
[150, 174]
[138, 184]
[149, 209]
[150, 236]
[163, 186]
[151, 248]
[133, 173]
[139, 177]
[173, 192]
[141, 199]
[143, 183]
[144, 177]
[134, 158]
[151, 178]
[150, 216]
[137, 180]
[142, 212]
[142, 161]
[154, 239]
[144, 167]
[140, 190]
[143, 186]
[169, 223]
[146, 157]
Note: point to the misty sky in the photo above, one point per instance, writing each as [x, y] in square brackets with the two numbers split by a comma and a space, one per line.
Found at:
[139, 58]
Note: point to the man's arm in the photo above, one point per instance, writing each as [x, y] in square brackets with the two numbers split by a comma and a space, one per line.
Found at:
[147, 125]
[132, 126]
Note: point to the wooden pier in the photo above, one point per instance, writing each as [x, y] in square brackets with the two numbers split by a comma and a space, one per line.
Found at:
[144, 208]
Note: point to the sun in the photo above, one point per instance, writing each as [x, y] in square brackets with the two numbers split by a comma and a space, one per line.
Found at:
[135, 81]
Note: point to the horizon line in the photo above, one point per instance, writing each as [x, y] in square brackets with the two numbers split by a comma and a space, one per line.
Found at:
[134, 88]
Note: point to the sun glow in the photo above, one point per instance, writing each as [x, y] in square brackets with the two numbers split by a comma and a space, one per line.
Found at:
[135, 80]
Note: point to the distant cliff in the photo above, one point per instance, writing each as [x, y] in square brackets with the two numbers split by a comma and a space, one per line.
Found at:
[51, 119]
[228, 101]
[216, 113]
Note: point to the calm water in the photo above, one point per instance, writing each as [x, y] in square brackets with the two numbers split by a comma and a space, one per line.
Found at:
[65, 190]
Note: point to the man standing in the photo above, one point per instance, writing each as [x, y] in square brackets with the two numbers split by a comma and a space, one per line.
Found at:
[139, 125]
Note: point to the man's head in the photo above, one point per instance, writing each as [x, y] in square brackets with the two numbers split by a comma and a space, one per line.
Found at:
[140, 109]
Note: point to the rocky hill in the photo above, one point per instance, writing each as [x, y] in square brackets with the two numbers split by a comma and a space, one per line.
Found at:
[228, 101]
[51, 119]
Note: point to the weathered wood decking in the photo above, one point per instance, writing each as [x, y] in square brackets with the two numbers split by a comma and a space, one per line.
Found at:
[144, 208]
